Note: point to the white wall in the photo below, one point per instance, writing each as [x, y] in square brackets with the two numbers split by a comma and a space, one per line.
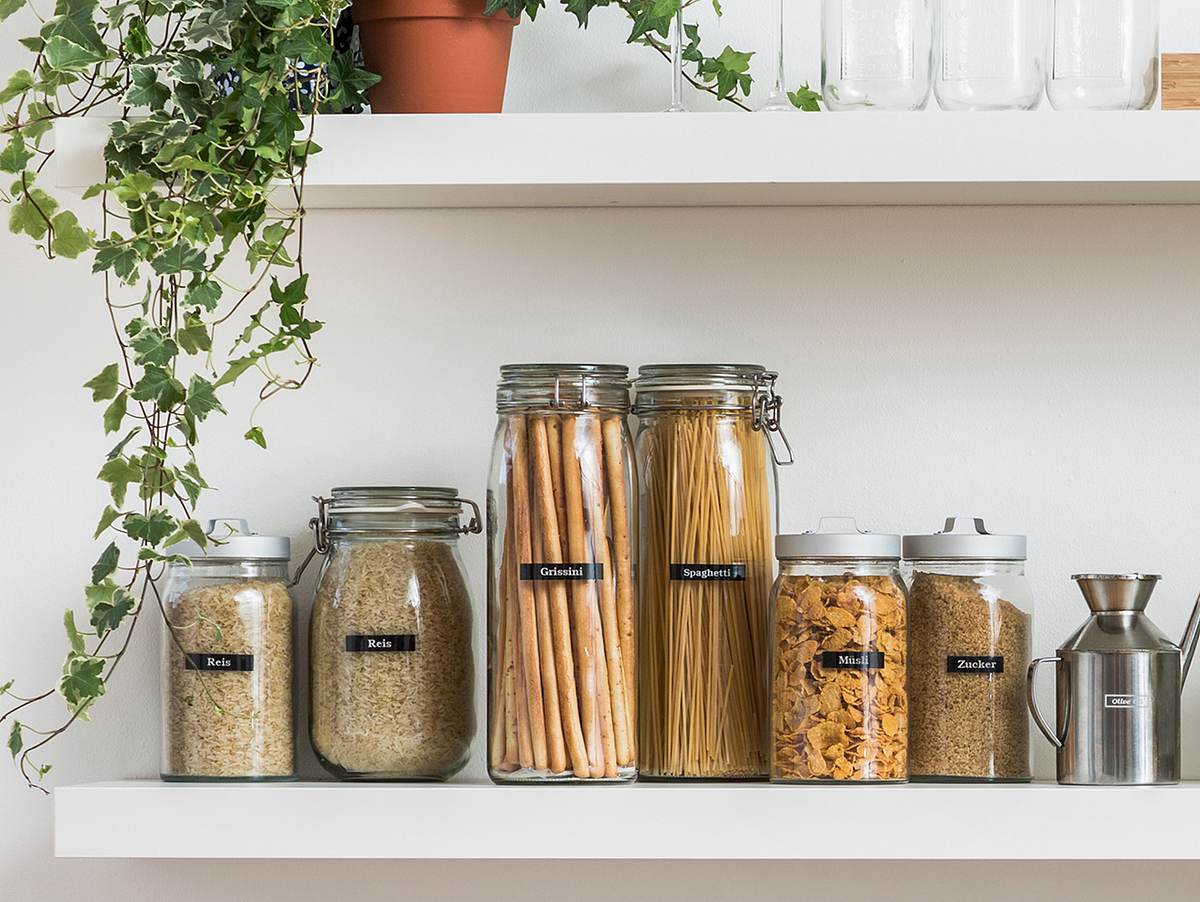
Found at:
[1035, 366]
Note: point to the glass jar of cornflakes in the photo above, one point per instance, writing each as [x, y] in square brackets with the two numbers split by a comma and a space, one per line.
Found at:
[839, 662]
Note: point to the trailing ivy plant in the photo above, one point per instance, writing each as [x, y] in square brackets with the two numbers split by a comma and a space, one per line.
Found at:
[200, 258]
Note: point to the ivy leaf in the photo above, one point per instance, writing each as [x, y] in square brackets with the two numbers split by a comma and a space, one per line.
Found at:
[4, 687]
[15, 155]
[805, 99]
[62, 53]
[158, 385]
[236, 368]
[114, 413]
[153, 346]
[179, 257]
[188, 529]
[121, 259]
[106, 384]
[107, 519]
[74, 21]
[32, 213]
[73, 636]
[202, 398]
[70, 238]
[20, 81]
[106, 565]
[8, 7]
[193, 337]
[191, 480]
[255, 434]
[204, 294]
[145, 90]
[108, 609]
[82, 681]
[119, 447]
[15, 741]
[119, 473]
[153, 529]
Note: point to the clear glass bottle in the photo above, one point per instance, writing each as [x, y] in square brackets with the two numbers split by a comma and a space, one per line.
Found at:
[708, 481]
[970, 646]
[562, 504]
[876, 54]
[227, 659]
[1104, 55]
[391, 668]
[991, 54]
[839, 658]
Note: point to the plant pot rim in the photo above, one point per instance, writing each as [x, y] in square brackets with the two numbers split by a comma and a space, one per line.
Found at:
[376, 10]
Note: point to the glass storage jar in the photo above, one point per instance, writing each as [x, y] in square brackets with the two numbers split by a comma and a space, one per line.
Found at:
[708, 483]
[970, 645]
[391, 670]
[876, 54]
[227, 659]
[562, 503]
[991, 54]
[839, 648]
[1104, 55]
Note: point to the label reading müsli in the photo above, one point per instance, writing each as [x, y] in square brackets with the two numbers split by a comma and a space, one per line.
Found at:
[585, 572]
[852, 660]
[728, 573]
[401, 642]
[975, 664]
[218, 661]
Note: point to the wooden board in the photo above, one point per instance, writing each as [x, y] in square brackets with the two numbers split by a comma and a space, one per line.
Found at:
[1181, 81]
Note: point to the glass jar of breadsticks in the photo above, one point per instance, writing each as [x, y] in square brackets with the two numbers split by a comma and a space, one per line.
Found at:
[708, 445]
[562, 504]
[839, 658]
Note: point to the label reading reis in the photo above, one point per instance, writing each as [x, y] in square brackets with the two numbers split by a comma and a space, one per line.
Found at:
[217, 661]
[975, 664]
[401, 642]
[728, 573]
[852, 660]
[586, 572]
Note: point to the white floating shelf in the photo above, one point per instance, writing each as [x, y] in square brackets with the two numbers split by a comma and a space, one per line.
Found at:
[657, 159]
[149, 819]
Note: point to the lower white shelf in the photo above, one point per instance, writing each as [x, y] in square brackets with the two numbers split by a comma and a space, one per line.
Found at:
[149, 819]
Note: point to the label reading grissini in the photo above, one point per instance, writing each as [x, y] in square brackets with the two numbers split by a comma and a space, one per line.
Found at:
[589, 572]
[975, 664]
[218, 661]
[399, 642]
[852, 660]
[709, 572]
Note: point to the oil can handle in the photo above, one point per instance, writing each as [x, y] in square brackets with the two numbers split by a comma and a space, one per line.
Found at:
[1054, 738]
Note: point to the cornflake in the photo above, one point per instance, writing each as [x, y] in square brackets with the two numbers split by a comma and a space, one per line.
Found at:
[839, 681]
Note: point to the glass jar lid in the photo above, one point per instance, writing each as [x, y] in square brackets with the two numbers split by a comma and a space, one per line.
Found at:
[565, 386]
[702, 377]
[838, 539]
[231, 538]
[403, 509]
[964, 539]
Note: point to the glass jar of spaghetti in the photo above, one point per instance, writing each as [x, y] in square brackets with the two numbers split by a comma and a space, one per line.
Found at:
[707, 446]
[839, 658]
[562, 503]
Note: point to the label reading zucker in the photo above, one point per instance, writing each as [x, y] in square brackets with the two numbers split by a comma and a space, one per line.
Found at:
[219, 662]
[591, 572]
[975, 664]
[731, 573]
[852, 660]
[401, 642]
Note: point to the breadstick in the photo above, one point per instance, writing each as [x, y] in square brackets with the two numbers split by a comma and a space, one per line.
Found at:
[593, 486]
[504, 663]
[519, 520]
[622, 563]
[555, 447]
[560, 618]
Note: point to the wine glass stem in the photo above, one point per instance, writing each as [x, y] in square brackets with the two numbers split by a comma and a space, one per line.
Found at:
[780, 90]
[677, 61]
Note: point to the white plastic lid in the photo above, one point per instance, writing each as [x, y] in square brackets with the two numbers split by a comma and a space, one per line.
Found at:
[230, 538]
[838, 538]
[964, 539]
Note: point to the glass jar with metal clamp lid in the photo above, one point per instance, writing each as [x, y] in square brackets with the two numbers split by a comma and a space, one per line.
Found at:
[562, 504]
[391, 669]
[709, 442]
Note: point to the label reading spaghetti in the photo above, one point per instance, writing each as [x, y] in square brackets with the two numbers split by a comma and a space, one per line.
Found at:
[400, 642]
[709, 572]
[585, 572]
[852, 660]
[218, 662]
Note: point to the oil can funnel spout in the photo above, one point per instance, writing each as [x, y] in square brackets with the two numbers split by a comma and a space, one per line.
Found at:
[1111, 593]
[1188, 644]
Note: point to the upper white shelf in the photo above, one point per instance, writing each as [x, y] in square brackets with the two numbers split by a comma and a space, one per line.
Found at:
[656, 159]
[144, 819]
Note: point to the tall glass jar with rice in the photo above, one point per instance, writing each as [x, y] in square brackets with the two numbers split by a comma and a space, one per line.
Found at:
[227, 659]
[390, 641]
[969, 647]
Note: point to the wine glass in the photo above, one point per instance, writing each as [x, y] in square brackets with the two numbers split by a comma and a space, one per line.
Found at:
[777, 100]
[677, 105]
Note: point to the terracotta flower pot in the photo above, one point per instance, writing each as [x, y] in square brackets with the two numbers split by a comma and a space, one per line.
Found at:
[435, 56]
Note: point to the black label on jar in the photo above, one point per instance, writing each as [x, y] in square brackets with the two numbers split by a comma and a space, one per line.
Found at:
[722, 573]
[975, 664]
[400, 642]
[203, 660]
[852, 660]
[587, 572]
